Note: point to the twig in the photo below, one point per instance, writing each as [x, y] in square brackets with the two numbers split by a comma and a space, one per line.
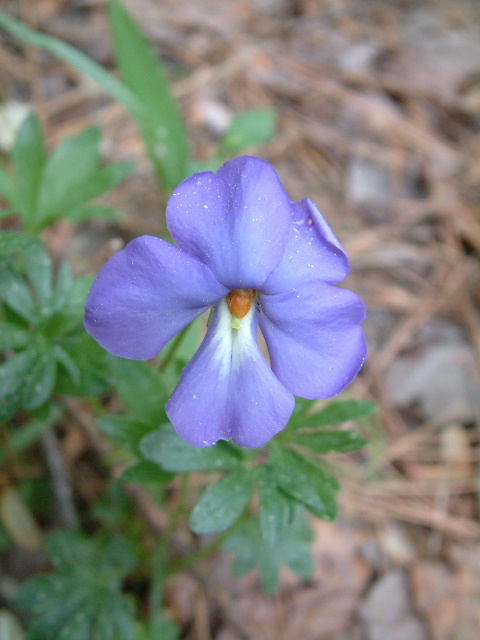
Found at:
[61, 480]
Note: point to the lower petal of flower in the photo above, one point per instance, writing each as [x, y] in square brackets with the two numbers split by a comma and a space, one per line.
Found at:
[314, 338]
[228, 390]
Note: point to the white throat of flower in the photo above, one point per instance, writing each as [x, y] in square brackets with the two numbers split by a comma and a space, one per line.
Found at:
[233, 339]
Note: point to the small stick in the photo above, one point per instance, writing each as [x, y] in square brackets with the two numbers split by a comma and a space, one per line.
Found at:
[61, 480]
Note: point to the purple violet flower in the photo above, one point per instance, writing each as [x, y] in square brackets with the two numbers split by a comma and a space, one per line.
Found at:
[259, 260]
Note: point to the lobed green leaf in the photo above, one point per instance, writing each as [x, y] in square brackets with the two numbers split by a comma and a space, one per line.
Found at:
[146, 398]
[83, 593]
[145, 472]
[39, 272]
[127, 432]
[329, 440]
[222, 503]
[16, 295]
[172, 453]
[310, 485]
[15, 241]
[40, 380]
[292, 548]
[334, 413]
[12, 336]
[275, 511]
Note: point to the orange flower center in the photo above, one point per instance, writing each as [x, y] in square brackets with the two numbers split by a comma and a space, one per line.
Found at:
[240, 301]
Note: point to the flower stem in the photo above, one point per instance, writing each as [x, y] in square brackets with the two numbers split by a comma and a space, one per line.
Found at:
[175, 344]
[184, 562]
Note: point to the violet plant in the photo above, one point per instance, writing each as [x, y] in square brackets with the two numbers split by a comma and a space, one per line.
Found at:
[255, 258]
[191, 401]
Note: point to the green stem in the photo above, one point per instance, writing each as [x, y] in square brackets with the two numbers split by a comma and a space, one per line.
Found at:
[184, 562]
[170, 354]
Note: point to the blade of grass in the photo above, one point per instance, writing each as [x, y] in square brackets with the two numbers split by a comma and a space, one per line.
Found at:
[163, 128]
[76, 59]
[148, 100]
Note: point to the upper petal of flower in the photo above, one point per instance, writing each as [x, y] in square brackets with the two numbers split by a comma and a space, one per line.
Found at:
[227, 390]
[235, 221]
[314, 338]
[145, 294]
[312, 252]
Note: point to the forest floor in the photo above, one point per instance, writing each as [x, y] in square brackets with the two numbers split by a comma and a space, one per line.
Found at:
[378, 104]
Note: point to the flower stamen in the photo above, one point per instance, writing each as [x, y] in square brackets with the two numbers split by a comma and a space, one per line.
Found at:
[240, 301]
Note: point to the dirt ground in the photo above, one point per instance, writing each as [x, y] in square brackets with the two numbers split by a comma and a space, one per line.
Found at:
[379, 124]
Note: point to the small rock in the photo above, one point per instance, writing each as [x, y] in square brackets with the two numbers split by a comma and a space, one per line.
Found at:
[358, 57]
[395, 544]
[388, 613]
[442, 379]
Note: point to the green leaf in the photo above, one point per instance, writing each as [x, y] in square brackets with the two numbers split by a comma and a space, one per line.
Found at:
[12, 336]
[77, 294]
[336, 412]
[292, 548]
[90, 360]
[310, 485]
[222, 504]
[65, 183]
[145, 472]
[62, 358]
[275, 510]
[249, 128]
[14, 241]
[15, 293]
[125, 431]
[4, 539]
[163, 132]
[77, 59]
[9, 191]
[164, 629]
[9, 405]
[167, 449]
[90, 572]
[141, 387]
[162, 125]
[14, 371]
[70, 316]
[40, 380]
[63, 286]
[106, 178]
[38, 268]
[28, 160]
[19, 438]
[328, 440]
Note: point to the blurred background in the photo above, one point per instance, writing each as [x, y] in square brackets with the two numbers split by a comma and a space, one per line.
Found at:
[378, 105]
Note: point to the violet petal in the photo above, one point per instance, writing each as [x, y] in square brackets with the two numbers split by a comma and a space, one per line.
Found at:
[312, 252]
[235, 221]
[227, 390]
[145, 294]
[314, 338]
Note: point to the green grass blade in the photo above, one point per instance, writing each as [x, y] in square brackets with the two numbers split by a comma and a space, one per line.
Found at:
[76, 59]
[163, 128]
